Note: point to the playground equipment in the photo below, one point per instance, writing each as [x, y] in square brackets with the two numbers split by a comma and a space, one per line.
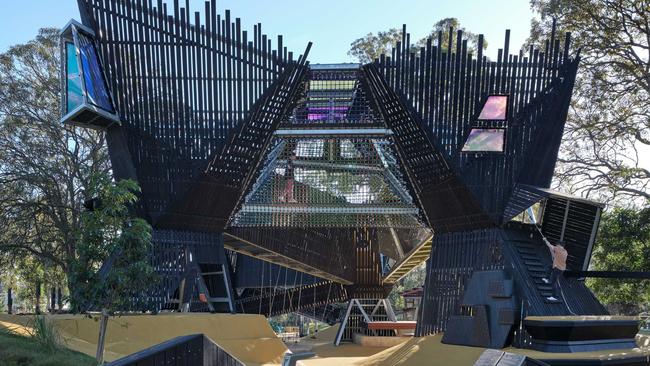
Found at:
[278, 186]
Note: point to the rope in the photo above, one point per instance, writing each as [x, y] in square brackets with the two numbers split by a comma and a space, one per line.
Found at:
[299, 292]
[564, 298]
[259, 312]
[559, 283]
[284, 294]
[274, 291]
[328, 300]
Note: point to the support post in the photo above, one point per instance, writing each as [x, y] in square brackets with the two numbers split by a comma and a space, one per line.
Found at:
[339, 333]
[59, 298]
[103, 324]
[368, 318]
[52, 299]
[38, 297]
[10, 301]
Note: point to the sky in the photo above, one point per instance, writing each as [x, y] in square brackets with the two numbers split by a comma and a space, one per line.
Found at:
[331, 24]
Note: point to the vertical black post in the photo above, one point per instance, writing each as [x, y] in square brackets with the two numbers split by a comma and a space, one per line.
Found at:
[10, 301]
[59, 298]
[38, 297]
[52, 299]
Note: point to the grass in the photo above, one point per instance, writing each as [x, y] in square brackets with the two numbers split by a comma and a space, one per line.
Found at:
[17, 350]
[45, 334]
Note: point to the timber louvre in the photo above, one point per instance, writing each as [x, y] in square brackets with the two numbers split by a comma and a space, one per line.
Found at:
[199, 102]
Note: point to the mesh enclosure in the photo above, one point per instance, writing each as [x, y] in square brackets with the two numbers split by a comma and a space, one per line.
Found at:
[347, 181]
[334, 97]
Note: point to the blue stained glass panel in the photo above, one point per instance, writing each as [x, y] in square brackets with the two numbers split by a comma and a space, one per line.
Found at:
[485, 140]
[74, 94]
[93, 78]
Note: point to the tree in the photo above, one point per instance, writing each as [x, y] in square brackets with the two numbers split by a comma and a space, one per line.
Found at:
[623, 245]
[370, 47]
[413, 279]
[111, 267]
[609, 120]
[111, 232]
[45, 168]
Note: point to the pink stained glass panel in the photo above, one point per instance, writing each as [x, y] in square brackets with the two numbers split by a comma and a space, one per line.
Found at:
[494, 108]
[485, 140]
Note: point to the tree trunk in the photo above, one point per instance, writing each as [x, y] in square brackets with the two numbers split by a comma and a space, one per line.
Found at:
[103, 324]
[52, 299]
[38, 297]
[59, 298]
[10, 301]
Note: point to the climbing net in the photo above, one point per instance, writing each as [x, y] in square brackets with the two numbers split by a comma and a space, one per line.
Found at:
[330, 182]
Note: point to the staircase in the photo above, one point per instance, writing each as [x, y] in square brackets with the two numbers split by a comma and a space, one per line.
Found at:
[536, 264]
[530, 261]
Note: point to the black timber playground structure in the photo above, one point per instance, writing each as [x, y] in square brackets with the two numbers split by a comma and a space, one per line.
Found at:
[275, 186]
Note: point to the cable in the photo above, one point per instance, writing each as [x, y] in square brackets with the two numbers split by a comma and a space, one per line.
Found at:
[557, 280]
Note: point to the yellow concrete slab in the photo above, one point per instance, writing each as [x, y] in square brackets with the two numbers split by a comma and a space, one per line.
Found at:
[345, 354]
[248, 338]
[424, 351]
[430, 351]
[251, 340]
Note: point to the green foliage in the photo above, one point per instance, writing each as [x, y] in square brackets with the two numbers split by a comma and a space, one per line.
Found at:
[45, 334]
[623, 245]
[368, 48]
[445, 26]
[44, 168]
[16, 350]
[413, 279]
[608, 125]
[111, 231]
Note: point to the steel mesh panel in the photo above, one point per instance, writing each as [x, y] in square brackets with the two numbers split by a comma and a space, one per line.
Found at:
[330, 182]
[334, 97]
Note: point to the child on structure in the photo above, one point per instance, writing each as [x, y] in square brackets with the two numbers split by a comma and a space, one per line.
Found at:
[559, 255]
[287, 194]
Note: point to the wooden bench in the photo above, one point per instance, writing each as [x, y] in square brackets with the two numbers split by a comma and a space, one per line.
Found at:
[388, 325]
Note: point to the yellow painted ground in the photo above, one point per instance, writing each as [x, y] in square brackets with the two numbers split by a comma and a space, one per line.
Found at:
[327, 354]
[424, 351]
[19, 329]
[251, 340]
[248, 338]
